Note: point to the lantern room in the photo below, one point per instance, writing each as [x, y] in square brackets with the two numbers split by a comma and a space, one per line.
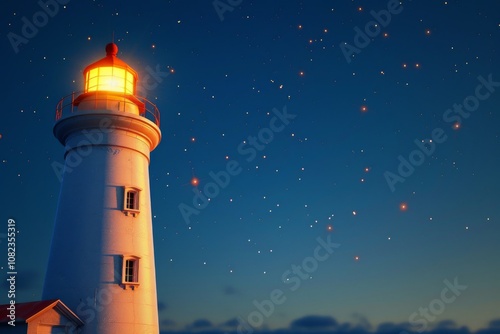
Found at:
[110, 84]
[110, 74]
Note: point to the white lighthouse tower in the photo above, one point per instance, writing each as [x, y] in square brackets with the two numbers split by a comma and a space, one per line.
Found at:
[101, 262]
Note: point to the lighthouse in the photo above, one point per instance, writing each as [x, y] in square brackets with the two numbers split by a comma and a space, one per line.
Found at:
[101, 262]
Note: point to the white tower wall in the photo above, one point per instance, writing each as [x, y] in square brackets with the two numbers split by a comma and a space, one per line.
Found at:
[105, 151]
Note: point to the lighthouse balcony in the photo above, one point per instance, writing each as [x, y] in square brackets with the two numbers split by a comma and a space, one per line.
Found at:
[126, 103]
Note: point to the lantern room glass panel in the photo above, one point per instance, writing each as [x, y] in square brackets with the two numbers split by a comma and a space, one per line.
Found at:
[110, 79]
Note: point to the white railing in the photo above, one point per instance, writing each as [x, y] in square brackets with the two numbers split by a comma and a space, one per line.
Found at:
[67, 105]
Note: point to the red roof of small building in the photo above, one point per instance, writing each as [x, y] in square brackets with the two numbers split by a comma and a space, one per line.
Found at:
[25, 311]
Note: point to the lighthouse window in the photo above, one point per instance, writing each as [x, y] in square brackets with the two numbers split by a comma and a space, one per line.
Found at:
[130, 271]
[131, 200]
[131, 196]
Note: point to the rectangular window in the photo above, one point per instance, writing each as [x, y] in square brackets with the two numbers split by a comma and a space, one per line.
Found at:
[131, 200]
[130, 271]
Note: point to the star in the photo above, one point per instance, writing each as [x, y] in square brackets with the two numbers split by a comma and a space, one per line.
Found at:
[195, 181]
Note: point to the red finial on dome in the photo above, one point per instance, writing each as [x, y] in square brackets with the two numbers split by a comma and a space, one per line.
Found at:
[111, 49]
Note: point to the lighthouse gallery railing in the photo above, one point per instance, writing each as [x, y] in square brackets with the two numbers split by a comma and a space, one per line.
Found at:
[67, 105]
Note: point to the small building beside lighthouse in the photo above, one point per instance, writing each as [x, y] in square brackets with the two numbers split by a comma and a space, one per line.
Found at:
[101, 263]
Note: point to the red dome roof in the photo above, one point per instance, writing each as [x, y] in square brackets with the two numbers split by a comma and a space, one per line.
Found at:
[111, 60]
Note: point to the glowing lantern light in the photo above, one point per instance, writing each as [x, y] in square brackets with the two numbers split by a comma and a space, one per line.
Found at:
[110, 74]
[110, 84]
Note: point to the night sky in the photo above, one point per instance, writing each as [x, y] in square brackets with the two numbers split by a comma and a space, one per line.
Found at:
[364, 156]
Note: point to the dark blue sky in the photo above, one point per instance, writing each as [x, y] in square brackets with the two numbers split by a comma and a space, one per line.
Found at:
[224, 80]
